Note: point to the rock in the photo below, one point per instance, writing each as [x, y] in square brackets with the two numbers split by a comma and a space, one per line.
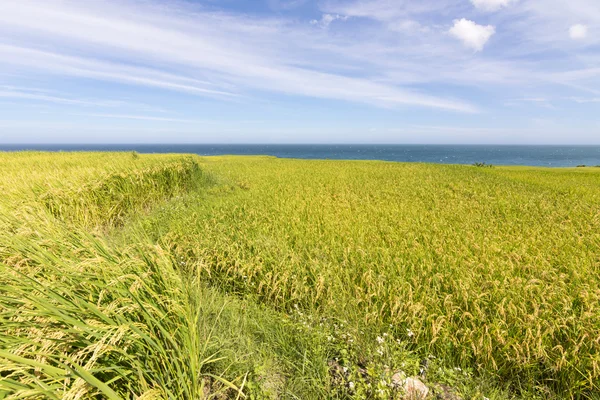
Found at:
[412, 388]
[415, 389]
[398, 379]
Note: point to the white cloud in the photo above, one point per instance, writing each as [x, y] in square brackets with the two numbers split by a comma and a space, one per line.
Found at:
[105, 71]
[408, 26]
[40, 95]
[472, 35]
[14, 94]
[375, 9]
[143, 118]
[544, 25]
[491, 5]
[386, 10]
[327, 19]
[218, 55]
[582, 100]
[535, 99]
[386, 55]
[578, 31]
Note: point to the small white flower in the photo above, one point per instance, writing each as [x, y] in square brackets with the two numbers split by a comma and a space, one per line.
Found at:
[345, 369]
[380, 340]
[380, 351]
[410, 333]
[351, 385]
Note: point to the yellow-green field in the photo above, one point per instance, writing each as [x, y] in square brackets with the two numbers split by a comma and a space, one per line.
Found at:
[185, 277]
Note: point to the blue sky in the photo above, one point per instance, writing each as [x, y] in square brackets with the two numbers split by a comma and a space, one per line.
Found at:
[300, 71]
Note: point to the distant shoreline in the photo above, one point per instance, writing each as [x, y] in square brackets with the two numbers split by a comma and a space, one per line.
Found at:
[500, 155]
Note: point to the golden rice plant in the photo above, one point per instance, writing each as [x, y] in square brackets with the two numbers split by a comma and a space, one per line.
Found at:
[80, 318]
[490, 269]
[494, 269]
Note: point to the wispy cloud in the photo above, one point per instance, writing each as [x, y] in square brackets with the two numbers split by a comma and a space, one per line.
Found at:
[584, 100]
[386, 10]
[198, 53]
[550, 24]
[226, 56]
[456, 60]
[86, 67]
[39, 95]
[327, 19]
[144, 118]
[492, 5]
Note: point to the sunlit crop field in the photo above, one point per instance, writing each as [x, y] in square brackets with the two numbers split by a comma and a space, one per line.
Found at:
[106, 259]
[491, 268]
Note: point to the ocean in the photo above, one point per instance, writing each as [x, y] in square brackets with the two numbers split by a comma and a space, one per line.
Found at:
[547, 156]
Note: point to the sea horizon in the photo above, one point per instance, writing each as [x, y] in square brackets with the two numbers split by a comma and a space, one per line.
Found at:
[547, 155]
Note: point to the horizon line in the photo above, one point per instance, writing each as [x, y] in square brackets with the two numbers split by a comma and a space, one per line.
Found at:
[298, 144]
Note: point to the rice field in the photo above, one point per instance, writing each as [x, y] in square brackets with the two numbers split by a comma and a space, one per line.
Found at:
[145, 276]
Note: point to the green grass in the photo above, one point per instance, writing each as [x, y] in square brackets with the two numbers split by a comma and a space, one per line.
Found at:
[183, 277]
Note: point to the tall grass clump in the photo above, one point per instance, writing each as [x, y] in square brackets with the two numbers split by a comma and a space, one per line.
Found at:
[90, 322]
[110, 199]
[86, 312]
[80, 318]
